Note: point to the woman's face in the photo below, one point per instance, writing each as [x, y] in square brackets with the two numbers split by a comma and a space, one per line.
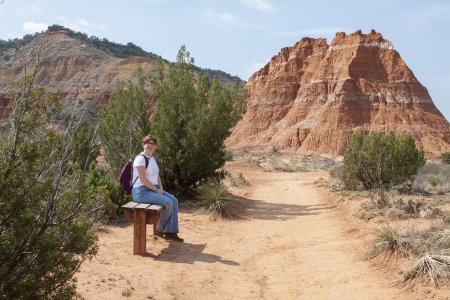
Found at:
[149, 146]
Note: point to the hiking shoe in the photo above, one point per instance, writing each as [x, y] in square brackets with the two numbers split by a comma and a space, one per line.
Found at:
[158, 234]
[173, 236]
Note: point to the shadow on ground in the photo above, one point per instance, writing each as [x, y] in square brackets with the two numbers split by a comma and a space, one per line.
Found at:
[262, 210]
[187, 253]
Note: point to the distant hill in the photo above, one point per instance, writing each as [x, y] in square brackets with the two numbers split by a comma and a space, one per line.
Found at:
[113, 49]
[80, 69]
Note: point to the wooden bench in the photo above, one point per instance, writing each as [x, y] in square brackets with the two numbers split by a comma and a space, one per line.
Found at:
[141, 214]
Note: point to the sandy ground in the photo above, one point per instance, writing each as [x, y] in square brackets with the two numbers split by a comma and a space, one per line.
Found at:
[293, 242]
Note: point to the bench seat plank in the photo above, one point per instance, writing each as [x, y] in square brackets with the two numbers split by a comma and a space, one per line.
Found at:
[155, 207]
[130, 204]
[142, 205]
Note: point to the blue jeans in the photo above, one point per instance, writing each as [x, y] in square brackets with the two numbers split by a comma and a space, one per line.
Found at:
[168, 217]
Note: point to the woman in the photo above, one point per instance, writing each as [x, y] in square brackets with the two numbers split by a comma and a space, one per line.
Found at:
[147, 188]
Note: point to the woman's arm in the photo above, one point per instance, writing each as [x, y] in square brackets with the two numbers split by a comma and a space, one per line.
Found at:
[141, 174]
[161, 190]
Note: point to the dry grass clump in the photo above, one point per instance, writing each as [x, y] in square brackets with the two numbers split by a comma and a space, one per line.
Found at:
[215, 199]
[239, 181]
[431, 245]
[429, 268]
[388, 243]
[441, 239]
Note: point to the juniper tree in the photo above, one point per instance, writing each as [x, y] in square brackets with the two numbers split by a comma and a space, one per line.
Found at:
[381, 160]
[192, 120]
[47, 214]
[124, 121]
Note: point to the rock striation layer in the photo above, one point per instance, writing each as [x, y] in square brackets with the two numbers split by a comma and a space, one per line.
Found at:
[78, 72]
[312, 96]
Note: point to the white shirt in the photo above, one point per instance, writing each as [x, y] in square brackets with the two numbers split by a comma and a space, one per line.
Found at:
[152, 171]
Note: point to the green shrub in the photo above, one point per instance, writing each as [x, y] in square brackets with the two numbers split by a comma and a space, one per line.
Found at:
[380, 160]
[124, 122]
[445, 157]
[99, 177]
[434, 180]
[47, 214]
[193, 118]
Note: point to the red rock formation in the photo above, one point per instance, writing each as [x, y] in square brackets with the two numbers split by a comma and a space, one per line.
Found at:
[312, 96]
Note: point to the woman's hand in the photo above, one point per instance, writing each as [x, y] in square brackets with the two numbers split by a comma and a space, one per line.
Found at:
[160, 191]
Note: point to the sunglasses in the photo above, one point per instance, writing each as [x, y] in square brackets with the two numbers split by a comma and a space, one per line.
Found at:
[150, 142]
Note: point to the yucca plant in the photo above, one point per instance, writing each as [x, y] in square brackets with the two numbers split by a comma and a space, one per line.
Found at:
[215, 199]
[389, 242]
[430, 268]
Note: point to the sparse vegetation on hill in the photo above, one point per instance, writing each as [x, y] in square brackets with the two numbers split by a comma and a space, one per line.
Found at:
[114, 49]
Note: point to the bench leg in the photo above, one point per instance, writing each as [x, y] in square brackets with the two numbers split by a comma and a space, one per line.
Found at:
[140, 231]
[155, 218]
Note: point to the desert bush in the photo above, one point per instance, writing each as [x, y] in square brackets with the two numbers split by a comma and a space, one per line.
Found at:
[432, 176]
[445, 157]
[124, 121]
[100, 177]
[335, 171]
[396, 213]
[192, 120]
[446, 218]
[429, 268]
[47, 214]
[380, 160]
[441, 239]
[215, 199]
[434, 180]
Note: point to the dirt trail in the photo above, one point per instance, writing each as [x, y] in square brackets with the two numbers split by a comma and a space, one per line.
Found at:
[292, 244]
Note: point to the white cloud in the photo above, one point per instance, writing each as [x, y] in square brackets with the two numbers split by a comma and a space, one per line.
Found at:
[228, 19]
[259, 4]
[31, 27]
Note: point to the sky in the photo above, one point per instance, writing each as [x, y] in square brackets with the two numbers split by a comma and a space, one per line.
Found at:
[240, 36]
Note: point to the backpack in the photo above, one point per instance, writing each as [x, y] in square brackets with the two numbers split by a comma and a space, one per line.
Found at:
[126, 175]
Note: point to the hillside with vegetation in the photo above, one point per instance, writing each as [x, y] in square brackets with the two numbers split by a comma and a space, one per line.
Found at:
[113, 49]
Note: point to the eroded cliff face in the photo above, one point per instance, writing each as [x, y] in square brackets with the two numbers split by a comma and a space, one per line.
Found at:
[76, 71]
[312, 96]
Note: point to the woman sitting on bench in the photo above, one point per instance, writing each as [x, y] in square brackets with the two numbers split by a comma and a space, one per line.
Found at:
[147, 188]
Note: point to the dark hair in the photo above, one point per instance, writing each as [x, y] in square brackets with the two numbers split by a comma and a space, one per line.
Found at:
[148, 138]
